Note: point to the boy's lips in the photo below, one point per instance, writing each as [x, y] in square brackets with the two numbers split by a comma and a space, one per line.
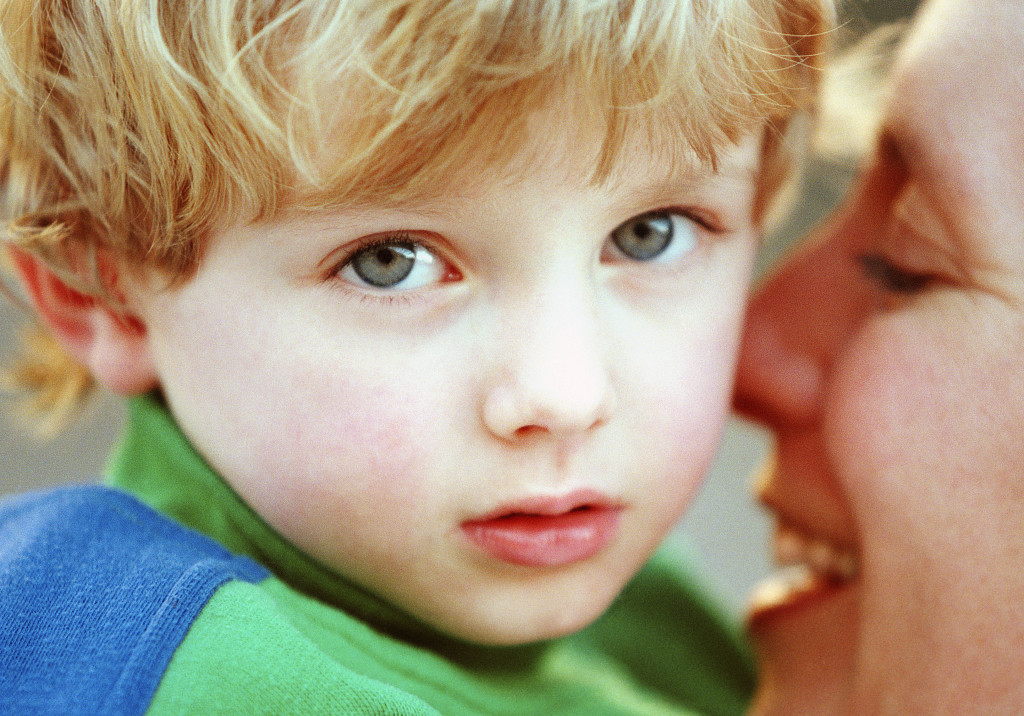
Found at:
[547, 532]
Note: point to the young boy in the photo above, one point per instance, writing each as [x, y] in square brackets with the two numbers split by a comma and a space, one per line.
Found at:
[428, 311]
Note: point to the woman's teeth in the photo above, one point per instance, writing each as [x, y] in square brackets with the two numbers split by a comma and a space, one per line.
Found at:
[819, 556]
[807, 565]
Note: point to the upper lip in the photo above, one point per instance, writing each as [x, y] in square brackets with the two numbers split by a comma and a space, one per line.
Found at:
[552, 505]
[820, 548]
[823, 523]
[787, 519]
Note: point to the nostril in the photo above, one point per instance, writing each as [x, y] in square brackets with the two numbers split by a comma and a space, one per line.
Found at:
[528, 430]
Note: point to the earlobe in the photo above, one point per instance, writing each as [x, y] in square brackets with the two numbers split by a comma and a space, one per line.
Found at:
[113, 345]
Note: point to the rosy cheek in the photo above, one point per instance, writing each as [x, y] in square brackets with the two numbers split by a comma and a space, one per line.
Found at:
[379, 436]
[682, 418]
[352, 449]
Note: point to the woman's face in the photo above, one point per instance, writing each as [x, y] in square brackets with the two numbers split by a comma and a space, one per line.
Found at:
[888, 357]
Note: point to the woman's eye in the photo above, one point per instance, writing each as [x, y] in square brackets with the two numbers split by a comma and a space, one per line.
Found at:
[664, 236]
[394, 265]
[890, 277]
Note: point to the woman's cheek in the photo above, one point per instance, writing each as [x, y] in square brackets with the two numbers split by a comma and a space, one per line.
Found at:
[893, 418]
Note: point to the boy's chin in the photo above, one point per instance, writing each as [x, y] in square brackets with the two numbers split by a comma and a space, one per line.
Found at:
[513, 623]
[516, 633]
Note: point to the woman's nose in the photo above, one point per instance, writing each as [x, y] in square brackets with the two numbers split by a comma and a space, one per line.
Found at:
[803, 317]
[551, 373]
[779, 376]
[798, 322]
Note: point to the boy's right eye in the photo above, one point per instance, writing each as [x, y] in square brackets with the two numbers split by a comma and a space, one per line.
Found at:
[394, 264]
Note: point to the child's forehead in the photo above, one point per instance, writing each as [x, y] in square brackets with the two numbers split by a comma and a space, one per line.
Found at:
[563, 141]
[647, 161]
[569, 134]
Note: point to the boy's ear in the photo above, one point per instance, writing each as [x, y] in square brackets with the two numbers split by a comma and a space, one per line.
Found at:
[112, 345]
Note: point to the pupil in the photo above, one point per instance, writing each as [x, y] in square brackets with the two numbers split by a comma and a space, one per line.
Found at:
[385, 266]
[644, 237]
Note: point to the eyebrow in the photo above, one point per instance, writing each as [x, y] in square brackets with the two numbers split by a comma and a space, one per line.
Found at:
[678, 164]
[893, 143]
[682, 178]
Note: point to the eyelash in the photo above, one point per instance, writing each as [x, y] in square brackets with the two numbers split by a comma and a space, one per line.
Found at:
[892, 278]
[372, 242]
[387, 240]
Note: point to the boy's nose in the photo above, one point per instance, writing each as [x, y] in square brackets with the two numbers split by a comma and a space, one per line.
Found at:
[551, 374]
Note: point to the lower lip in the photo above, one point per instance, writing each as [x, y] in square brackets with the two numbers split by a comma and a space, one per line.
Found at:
[770, 603]
[545, 540]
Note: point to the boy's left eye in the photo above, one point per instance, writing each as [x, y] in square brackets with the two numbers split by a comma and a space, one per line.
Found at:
[664, 236]
[393, 264]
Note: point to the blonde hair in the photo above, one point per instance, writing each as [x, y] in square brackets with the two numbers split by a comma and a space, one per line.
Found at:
[852, 93]
[132, 127]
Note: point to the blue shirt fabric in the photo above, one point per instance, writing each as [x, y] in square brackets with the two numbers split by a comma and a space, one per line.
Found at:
[97, 592]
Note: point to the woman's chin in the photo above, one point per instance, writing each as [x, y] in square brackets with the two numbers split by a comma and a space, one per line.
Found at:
[804, 634]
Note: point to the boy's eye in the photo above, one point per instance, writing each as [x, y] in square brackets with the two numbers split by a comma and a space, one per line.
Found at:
[890, 277]
[662, 235]
[393, 264]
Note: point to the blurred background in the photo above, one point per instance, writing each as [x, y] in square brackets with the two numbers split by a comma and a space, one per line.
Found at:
[724, 531]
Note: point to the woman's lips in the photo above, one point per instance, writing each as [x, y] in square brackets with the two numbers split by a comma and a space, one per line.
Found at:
[544, 532]
[811, 569]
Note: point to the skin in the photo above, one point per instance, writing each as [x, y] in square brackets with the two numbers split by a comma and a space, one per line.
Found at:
[367, 425]
[897, 396]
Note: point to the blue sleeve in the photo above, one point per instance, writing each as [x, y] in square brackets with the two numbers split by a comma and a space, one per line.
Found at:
[96, 592]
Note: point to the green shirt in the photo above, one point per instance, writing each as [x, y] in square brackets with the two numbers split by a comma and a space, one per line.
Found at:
[306, 640]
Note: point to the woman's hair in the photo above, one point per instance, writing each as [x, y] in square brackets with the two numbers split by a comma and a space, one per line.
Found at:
[129, 129]
[852, 91]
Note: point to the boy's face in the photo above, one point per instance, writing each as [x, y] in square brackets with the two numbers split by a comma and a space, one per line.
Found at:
[496, 437]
